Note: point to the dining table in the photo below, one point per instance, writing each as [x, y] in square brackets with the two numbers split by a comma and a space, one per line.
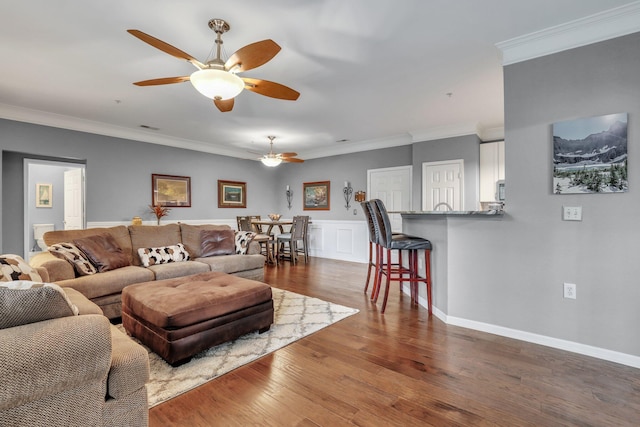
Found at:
[269, 224]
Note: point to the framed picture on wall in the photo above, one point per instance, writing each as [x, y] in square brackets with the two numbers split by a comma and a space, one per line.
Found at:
[170, 190]
[316, 196]
[44, 195]
[590, 155]
[232, 194]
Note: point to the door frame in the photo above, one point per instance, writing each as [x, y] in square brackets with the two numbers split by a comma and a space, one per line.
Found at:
[27, 182]
[426, 188]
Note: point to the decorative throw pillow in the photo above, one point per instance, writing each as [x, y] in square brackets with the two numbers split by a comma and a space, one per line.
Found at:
[70, 252]
[23, 302]
[103, 252]
[163, 255]
[243, 238]
[217, 242]
[14, 267]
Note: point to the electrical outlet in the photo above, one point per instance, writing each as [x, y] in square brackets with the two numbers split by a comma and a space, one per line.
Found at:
[572, 213]
[570, 290]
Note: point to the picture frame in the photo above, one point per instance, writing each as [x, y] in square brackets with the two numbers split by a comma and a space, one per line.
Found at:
[44, 195]
[232, 194]
[590, 155]
[316, 196]
[171, 191]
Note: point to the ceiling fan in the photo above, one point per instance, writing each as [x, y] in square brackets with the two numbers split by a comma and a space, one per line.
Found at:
[217, 79]
[272, 159]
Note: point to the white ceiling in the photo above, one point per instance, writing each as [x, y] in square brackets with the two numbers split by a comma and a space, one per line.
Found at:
[372, 72]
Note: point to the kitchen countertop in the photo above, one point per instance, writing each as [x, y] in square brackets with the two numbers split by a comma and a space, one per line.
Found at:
[451, 213]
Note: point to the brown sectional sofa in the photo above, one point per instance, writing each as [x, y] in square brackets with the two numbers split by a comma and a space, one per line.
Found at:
[105, 288]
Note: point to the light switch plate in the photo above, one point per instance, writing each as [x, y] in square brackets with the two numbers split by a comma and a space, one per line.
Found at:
[572, 213]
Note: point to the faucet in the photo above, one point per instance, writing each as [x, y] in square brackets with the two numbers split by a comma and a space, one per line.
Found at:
[446, 205]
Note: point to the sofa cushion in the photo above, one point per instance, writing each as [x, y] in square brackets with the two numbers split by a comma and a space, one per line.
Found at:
[85, 306]
[243, 240]
[109, 282]
[153, 236]
[103, 252]
[70, 253]
[120, 233]
[191, 236]
[14, 267]
[23, 302]
[178, 269]
[234, 263]
[163, 255]
[217, 242]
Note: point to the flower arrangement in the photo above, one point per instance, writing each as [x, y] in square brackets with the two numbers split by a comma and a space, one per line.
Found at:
[159, 211]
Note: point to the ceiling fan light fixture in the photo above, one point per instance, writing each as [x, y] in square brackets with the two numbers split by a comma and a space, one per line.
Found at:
[217, 84]
[272, 162]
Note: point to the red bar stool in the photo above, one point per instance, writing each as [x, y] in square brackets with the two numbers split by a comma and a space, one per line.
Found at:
[374, 246]
[387, 242]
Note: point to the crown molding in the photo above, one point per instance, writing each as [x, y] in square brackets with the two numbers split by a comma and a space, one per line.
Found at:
[44, 118]
[442, 132]
[359, 146]
[601, 26]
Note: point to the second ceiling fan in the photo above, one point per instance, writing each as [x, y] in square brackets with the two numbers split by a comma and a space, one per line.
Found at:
[272, 159]
[217, 79]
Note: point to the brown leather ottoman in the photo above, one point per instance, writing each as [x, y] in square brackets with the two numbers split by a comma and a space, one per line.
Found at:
[178, 318]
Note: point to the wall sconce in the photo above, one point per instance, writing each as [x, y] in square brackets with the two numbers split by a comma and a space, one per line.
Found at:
[289, 195]
[361, 196]
[348, 192]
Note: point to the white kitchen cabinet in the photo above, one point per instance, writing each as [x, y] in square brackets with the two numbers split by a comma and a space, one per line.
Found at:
[491, 169]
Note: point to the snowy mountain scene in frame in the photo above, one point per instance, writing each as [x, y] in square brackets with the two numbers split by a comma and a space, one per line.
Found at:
[590, 155]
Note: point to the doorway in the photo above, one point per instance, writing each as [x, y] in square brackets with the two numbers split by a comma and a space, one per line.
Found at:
[65, 208]
[442, 185]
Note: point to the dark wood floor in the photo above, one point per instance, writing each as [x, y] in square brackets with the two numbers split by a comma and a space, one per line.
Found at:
[404, 368]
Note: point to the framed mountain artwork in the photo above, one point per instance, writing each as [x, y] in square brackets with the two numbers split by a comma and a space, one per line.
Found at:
[590, 155]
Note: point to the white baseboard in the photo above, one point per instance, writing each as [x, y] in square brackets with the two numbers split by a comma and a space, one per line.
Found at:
[574, 347]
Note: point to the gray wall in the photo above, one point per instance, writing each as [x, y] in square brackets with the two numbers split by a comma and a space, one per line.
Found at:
[118, 176]
[511, 272]
[466, 148]
[337, 169]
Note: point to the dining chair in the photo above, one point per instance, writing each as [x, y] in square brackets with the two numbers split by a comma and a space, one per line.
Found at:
[387, 242]
[267, 243]
[295, 242]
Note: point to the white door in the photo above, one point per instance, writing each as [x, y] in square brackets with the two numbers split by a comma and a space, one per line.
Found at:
[442, 185]
[393, 187]
[74, 199]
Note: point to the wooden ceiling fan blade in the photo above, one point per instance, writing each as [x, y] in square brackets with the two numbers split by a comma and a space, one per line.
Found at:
[283, 155]
[165, 47]
[270, 89]
[292, 160]
[224, 105]
[252, 55]
[162, 81]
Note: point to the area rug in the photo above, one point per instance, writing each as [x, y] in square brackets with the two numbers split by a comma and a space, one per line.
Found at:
[295, 316]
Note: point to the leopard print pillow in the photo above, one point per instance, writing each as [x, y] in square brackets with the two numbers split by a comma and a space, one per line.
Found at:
[243, 239]
[70, 252]
[14, 267]
[163, 255]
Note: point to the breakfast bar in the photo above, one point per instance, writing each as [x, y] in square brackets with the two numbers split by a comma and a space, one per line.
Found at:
[439, 227]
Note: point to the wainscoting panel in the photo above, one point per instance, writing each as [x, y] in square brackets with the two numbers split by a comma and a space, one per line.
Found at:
[344, 240]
